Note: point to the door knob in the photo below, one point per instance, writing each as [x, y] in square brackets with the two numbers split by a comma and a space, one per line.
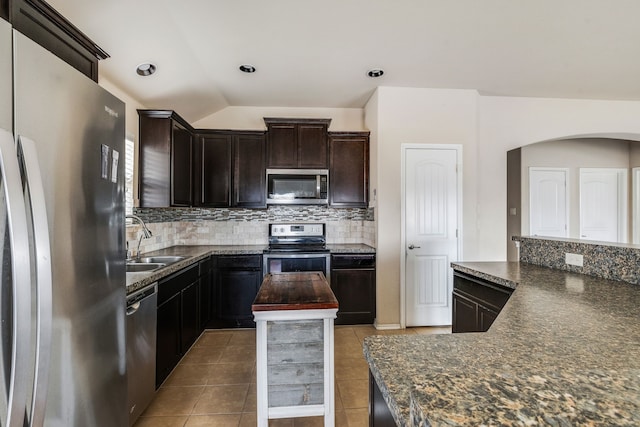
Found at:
[414, 247]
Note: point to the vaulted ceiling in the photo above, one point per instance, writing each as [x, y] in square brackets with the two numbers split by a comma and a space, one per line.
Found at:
[317, 53]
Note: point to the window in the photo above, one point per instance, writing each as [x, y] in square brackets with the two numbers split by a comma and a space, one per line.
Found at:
[128, 175]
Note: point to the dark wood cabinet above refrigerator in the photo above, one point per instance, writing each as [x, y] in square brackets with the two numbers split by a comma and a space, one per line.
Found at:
[43, 24]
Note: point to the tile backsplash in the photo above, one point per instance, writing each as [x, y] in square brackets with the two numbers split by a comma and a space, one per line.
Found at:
[192, 226]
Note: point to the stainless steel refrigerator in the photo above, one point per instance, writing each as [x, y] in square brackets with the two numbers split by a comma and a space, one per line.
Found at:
[62, 300]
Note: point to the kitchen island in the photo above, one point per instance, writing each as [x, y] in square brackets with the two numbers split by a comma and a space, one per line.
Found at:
[563, 351]
[294, 314]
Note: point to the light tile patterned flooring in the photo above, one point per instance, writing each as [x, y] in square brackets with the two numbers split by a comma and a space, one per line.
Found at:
[214, 385]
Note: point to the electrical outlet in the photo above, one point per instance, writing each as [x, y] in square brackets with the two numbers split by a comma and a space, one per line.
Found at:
[574, 259]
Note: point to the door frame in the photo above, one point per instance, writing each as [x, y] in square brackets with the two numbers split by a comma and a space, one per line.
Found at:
[403, 237]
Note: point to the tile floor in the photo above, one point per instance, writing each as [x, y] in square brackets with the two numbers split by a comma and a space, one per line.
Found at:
[214, 384]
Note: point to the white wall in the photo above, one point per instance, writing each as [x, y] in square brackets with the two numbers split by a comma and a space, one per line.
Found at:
[251, 118]
[487, 127]
[505, 123]
[572, 154]
[416, 116]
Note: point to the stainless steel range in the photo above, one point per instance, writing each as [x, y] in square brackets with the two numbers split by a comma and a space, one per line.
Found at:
[297, 247]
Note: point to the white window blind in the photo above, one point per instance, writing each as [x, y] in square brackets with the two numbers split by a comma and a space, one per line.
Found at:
[128, 175]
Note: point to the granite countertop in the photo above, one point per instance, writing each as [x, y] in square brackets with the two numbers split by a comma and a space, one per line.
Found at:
[563, 351]
[136, 281]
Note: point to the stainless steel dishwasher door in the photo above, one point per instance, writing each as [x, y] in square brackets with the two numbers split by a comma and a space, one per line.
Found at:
[141, 349]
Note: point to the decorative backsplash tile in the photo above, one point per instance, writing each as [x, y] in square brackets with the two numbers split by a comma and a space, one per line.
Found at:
[188, 226]
[609, 261]
[271, 214]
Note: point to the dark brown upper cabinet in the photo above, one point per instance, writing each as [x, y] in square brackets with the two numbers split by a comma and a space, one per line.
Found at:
[212, 170]
[166, 157]
[349, 169]
[44, 25]
[230, 169]
[297, 143]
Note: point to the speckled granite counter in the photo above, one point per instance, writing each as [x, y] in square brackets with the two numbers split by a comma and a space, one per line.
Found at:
[136, 281]
[563, 351]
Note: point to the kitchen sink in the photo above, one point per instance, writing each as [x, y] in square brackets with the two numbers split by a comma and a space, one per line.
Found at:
[138, 267]
[166, 259]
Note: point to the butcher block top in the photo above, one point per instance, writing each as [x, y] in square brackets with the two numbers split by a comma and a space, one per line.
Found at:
[294, 291]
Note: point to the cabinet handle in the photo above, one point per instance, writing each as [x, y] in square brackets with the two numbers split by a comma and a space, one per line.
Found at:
[414, 247]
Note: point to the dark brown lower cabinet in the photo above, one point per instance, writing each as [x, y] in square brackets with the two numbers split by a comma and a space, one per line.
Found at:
[476, 303]
[206, 288]
[178, 319]
[168, 342]
[353, 281]
[379, 413]
[238, 278]
[190, 315]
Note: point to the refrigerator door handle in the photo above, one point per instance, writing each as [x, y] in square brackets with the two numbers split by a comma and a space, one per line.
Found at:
[44, 282]
[21, 280]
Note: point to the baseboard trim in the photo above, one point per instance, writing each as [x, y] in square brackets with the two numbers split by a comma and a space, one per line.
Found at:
[386, 326]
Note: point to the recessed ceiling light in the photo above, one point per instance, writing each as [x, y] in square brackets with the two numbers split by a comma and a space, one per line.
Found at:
[247, 68]
[146, 69]
[375, 72]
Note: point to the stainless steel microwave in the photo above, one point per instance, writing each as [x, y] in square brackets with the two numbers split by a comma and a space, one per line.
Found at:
[297, 186]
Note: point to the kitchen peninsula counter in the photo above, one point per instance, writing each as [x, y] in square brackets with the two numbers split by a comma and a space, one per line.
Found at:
[195, 253]
[563, 351]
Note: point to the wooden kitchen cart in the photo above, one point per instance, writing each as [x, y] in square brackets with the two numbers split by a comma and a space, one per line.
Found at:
[294, 314]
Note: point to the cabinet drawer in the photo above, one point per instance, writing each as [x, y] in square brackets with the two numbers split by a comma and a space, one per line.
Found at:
[173, 284]
[240, 261]
[353, 261]
[488, 294]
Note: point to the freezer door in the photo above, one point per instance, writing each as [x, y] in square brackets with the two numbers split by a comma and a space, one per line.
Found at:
[78, 132]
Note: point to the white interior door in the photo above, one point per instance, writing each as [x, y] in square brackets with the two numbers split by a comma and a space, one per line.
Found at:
[603, 204]
[431, 222]
[548, 202]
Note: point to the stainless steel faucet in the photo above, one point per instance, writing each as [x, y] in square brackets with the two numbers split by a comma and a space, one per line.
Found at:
[146, 233]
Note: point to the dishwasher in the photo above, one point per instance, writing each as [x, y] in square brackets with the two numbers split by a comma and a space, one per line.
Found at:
[141, 349]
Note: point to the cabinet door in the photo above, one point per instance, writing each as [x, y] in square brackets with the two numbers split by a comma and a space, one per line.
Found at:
[349, 171]
[379, 413]
[213, 171]
[282, 146]
[355, 291]
[205, 300]
[249, 171]
[190, 316]
[465, 314]
[181, 161]
[312, 146]
[237, 290]
[486, 317]
[155, 162]
[168, 344]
